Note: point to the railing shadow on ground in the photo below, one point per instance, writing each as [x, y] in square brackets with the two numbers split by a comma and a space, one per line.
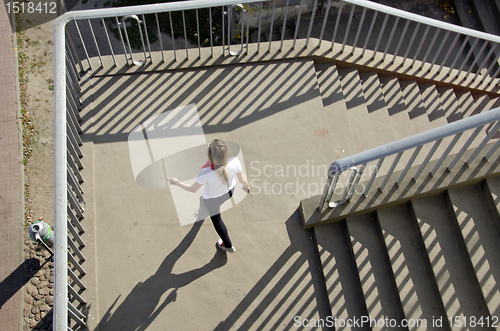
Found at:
[130, 315]
[18, 278]
[117, 106]
[291, 276]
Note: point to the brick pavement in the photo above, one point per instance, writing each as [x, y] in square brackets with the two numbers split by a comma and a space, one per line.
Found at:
[10, 185]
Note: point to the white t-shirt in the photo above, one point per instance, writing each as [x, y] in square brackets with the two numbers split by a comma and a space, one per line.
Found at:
[213, 185]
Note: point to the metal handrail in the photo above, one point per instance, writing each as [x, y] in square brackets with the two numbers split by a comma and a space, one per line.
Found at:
[69, 68]
[435, 135]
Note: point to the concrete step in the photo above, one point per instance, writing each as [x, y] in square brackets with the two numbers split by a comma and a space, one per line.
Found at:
[335, 108]
[450, 103]
[340, 273]
[400, 121]
[432, 102]
[454, 276]
[361, 125]
[467, 105]
[376, 106]
[417, 291]
[483, 244]
[375, 274]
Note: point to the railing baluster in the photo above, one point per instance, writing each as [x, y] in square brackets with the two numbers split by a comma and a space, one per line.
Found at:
[403, 35]
[159, 37]
[440, 49]
[315, 4]
[211, 32]
[173, 37]
[348, 28]
[391, 170]
[198, 33]
[76, 265]
[118, 24]
[298, 23]
[271, 29]
[324, 23]
[185, 34]
[260, 24]
[356, 182]
[467, 57]
[147, 40]
[284, 25]
[410, 45]
[83, 44]
[337, 23]
[390, 38]
[75, 279]
[464, 147]
[372, 178]
[75, 295]
[76, 236]
[75, 249]
[409, 164]
[76, 315]
[332, 189]
[370, 30]
[381, 33]
[109, 40]
[493, 63]
[446, 153]
[326, 190]
[429, 48]
[483, 143]
[346, 190]
[464, 43]
[427, 159]
[485, 61]
[422, 41]
[74, 219]
[361, 21]
[476, 59]
[450, 50]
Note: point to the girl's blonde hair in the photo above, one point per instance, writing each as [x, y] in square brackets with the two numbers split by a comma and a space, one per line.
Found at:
[218, 154]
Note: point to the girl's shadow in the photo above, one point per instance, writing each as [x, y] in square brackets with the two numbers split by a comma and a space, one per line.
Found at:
[139, 309]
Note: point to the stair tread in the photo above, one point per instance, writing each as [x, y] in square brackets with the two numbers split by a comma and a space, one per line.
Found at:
[357, 112]
[377, 111]
[449, 102]
[400, 121]
[378, 287]
[483, 244]
[416, 290]
[431, 100]
[342, 280]
[451, 270]
[335, 109]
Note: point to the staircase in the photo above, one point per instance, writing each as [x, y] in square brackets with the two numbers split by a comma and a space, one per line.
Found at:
[427, 264]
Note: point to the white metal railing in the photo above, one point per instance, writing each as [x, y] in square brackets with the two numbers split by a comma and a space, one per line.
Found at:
[373, 159]
[83, 43]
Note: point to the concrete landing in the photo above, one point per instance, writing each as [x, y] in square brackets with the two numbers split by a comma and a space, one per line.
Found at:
[153, 272]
